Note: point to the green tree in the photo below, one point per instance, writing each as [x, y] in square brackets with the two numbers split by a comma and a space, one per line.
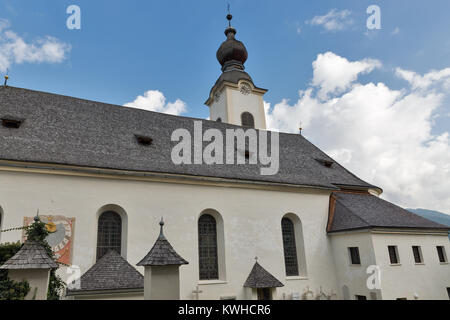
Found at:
[9, 289]
[38, 232]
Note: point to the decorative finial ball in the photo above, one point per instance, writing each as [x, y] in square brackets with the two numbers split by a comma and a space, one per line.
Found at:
[229, 17]
[161, 223]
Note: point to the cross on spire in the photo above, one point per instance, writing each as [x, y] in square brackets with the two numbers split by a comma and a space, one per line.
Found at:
[229, 16]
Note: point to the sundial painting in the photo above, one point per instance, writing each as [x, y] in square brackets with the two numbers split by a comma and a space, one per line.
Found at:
[60, 238]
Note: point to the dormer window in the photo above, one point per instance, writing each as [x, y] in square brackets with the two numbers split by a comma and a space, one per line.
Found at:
[143, 140]
[325, 163]
[12, 122]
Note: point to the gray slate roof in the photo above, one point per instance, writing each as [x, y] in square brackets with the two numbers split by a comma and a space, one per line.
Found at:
[111, 272]
[32, 255]
[162, 253]
[261, 278]
[63, 130]
[360, 211]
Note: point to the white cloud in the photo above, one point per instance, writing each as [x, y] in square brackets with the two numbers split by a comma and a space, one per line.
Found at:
[334, 20]
[426, 81]
[382, 135]
[334, 74]
[154, 100]
[14, 49]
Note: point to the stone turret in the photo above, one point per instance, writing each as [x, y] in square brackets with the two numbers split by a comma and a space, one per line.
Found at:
[162, 274]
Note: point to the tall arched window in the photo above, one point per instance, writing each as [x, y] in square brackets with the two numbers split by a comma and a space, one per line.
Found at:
[207, 247]
[247, 120]
[290, 248]
[1, 220]
[109, 234]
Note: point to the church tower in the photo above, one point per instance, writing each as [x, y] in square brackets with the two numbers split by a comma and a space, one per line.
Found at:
[234, 98]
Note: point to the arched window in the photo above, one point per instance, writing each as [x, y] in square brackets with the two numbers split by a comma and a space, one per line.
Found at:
[109, 234]
[1, 220]
[290, 248]
[247, 120]
[207, 247]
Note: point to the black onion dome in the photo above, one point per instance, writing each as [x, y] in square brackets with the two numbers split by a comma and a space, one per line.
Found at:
[232, 52]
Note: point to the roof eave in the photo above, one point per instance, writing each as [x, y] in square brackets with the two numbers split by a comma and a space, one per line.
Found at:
[391, 229]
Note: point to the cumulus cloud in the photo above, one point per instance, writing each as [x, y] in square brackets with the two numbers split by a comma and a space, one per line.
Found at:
[14, 49]
[154, 100]
[334, 74]
[432, 78]
[382, 135]
[334, 20]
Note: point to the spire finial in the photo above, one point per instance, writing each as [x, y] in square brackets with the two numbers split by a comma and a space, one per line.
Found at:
[256, 259]
[6, 78]
[37, 216]
[229, 16]
[161, 223]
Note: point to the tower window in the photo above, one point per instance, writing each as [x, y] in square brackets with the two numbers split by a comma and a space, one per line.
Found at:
[247, 120]
[207, 247]
[109, 235]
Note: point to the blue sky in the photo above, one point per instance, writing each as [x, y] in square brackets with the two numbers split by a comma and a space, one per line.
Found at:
[126, 48]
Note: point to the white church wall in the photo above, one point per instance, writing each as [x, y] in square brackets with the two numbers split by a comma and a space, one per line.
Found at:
[251, 221]
[427, 280]
[352, 277]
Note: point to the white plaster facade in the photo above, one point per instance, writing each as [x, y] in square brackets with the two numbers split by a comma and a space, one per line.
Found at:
[407, 279]
[250, 224]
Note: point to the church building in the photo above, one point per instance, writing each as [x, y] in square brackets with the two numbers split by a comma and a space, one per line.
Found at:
[102, 176]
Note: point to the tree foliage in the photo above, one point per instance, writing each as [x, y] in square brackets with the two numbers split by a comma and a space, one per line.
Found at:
[9, 289]
[38, 232]
[12, 290]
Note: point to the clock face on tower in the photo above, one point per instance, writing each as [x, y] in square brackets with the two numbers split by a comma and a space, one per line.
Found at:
[60, 238]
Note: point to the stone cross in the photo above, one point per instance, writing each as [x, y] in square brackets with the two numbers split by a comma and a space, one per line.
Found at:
[197, 292]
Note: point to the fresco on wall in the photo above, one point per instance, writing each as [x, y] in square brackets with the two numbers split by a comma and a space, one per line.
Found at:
[61, 236]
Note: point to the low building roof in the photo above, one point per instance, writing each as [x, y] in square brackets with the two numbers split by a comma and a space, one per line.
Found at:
[261, 278]
[162, 253]
[111, 272]
[32, 255]
[350, 211]
[61, 130]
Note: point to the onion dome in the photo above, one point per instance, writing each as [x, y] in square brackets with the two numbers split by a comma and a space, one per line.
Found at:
[232, 53]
